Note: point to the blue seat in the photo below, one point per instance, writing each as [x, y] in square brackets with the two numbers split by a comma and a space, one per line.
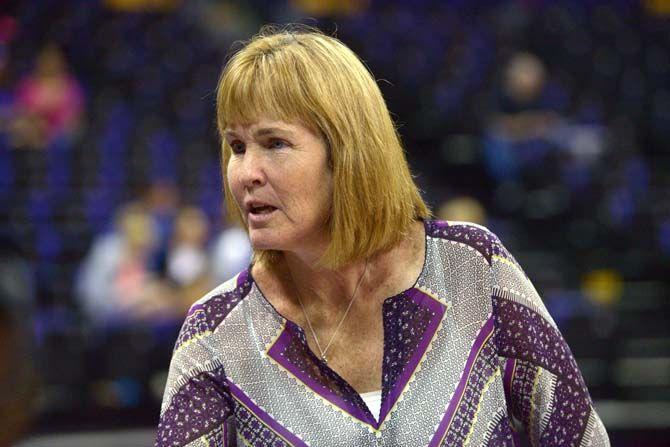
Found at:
[99, 206]
[48, 242]
[40, 207]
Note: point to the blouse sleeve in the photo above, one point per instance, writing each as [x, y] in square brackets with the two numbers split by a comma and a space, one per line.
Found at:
[196, 408]
[544, 388]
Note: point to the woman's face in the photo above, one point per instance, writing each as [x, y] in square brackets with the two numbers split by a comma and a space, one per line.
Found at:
[279, 175]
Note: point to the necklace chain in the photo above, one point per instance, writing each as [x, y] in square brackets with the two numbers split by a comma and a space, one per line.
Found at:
[344, 317]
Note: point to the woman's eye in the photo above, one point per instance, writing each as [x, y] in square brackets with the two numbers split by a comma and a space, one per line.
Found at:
[237, 147]
[277, 144]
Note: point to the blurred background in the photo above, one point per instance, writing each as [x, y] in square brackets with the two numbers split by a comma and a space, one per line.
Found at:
[547, 121]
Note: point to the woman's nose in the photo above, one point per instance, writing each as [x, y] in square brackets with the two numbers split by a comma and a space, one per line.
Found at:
[253, 172]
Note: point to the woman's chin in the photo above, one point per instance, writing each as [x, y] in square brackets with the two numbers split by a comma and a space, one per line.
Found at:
[262, 243]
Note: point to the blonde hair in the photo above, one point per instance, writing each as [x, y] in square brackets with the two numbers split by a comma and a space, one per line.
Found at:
[299, 75]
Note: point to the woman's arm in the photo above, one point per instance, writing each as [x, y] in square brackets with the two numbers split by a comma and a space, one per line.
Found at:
[196, 409]
[544, 388]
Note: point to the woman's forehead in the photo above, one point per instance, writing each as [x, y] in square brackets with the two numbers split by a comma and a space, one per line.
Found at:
[264, 126]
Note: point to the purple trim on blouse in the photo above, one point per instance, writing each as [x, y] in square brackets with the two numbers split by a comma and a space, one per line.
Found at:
[242, 278]
[484, 334]
[420, 299]
[204, 317]
[276, 352]
[264, 417]
[479, 238]
[524, 334]
[508, 376]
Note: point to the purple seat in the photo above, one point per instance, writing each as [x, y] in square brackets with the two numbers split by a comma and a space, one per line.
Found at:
[48, 242]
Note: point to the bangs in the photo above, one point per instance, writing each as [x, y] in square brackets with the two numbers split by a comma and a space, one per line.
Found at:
[264, 87]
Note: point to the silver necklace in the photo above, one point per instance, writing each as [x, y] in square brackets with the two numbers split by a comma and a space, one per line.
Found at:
[323, 351]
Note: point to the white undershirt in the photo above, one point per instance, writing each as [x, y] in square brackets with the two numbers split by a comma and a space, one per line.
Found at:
[373, 400]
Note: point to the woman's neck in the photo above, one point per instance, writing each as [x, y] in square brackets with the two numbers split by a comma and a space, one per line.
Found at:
[325, 293]
[320, 286]
[386, 272]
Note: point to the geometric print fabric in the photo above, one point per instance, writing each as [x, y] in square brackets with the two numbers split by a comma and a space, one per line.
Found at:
[464, 353]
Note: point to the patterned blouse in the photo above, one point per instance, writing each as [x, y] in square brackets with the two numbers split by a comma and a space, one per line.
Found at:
[471, 356]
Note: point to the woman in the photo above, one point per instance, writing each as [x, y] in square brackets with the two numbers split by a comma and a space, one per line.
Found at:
[360, 321]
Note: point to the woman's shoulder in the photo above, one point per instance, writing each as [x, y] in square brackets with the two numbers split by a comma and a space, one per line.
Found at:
[207, 313]
[509, 280]
[475, 236]
[236, 287]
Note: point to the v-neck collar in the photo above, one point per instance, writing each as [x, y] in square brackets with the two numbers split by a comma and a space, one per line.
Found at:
[418, 279]
[411, 319]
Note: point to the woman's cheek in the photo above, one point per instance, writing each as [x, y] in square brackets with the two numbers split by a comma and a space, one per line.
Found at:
[235, 188]
[231, 178]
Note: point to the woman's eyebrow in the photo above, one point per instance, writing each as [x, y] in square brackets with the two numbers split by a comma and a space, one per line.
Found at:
[264, 131]
[271, 130]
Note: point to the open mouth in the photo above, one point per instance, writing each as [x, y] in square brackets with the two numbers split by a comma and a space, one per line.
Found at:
[260, 210]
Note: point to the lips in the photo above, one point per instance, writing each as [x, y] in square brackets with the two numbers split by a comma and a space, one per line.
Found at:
[258, 207]
[265, 209]
[258, 212]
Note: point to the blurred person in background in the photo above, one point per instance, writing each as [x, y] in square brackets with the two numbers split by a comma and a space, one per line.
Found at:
[536, 148]
[187, 259]
[361, 320]
[231, 253]
[523, 119]
[116, 285]
[462, 209]
[18, 381]
[525, 113]
[161, 198]
[49, 102]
